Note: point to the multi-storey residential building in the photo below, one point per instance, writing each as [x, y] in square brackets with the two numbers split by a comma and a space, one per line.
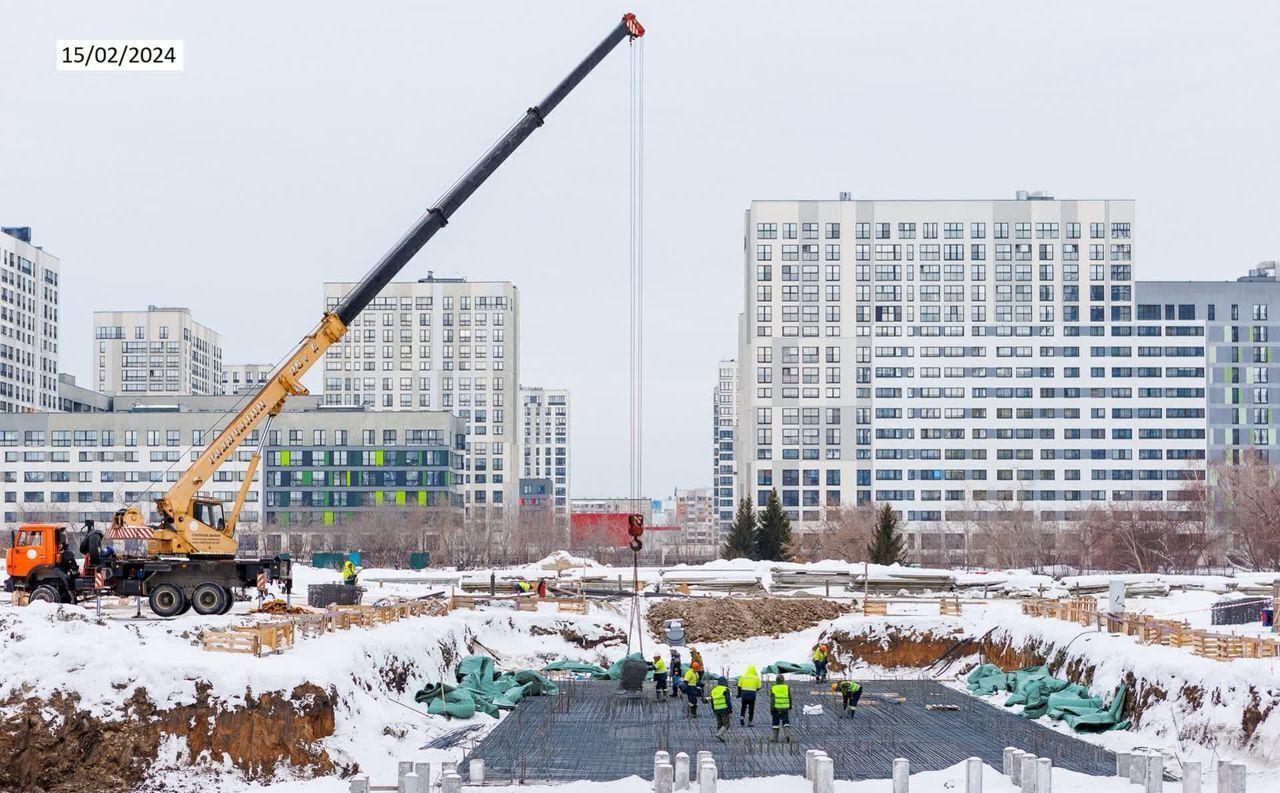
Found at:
[245, 378]
[28, 324]
[73, 398]
[613, 506]
[955, 359]
[696, 516]
[321, 467]
[1232, 321]
[544, 439]
[724, 422]
[440, 344]
[157, 351]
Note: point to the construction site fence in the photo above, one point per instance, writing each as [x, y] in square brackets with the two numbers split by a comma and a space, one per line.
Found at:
[948, 606]
[277, 635]
[1155, 630]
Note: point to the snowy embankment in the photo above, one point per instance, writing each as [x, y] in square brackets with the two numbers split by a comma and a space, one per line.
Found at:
[78, 686]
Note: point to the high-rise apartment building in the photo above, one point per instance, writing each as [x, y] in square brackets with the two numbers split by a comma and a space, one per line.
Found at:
[544, 441]
[28, 324]
[245, 378]
[956, 359]
[440, 344]
[157, 351]
[695, 516]
[724, 422]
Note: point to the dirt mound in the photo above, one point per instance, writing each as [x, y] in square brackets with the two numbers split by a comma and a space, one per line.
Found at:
[723, 619]
[55, 747]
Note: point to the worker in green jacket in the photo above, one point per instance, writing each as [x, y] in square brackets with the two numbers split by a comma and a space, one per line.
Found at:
[780, 709]
[722, 707]
[850, 693]
[748, 687]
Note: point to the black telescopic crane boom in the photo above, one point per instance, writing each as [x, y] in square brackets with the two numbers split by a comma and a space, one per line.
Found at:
[438, 216]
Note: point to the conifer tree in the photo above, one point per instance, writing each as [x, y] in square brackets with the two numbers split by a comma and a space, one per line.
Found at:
[741, 542]
[887, 545]
[773, 535]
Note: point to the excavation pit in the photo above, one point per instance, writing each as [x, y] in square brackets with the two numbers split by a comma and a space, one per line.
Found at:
[590, 731]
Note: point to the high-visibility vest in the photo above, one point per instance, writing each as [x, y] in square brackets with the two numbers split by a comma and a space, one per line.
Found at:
[524, 586]
[659, 666]
[691, 677]
[749, 681]
[818, 655]
[781, 694]
[718, 697]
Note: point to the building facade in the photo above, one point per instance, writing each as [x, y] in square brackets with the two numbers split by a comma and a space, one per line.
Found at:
[157, 351]
[958, 359]
[28, 324]
[245, 378]
[724, 423]
[440, 344]
[322, 468]
[73, 398]
[1232, 319]
[544, 442]
[696, 516]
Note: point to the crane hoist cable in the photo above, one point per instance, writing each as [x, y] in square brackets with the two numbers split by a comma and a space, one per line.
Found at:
[635, 621]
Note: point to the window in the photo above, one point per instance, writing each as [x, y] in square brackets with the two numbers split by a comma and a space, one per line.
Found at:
[788, 231]
[833, 231]
[764, 253]
[766, 231]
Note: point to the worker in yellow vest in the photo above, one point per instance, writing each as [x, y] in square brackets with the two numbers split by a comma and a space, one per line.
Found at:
[748, 687]
[722, 707]
[780, 708]
[659, 668]
[820, 656]
[691, 689]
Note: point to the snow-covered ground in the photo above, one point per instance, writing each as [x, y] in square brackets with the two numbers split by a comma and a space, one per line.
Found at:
[104, 661]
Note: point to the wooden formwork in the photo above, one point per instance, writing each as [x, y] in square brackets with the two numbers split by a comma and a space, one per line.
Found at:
[231, 641]
[949, 606]
[576, 605]
[875, 608]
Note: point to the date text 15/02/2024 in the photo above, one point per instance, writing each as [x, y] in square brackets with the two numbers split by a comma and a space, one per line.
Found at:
[103, 55]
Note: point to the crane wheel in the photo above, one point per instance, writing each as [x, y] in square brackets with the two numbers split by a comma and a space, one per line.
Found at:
[231, 600]
[45, 593]
[209, 598]
[167, 600]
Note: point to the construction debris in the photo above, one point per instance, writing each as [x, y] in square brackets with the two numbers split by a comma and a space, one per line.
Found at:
[279, 607]
[722, 619]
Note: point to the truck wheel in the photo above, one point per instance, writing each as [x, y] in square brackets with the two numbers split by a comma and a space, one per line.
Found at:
[167, 600]
[209, 598]
[231, 600]
[45, 593]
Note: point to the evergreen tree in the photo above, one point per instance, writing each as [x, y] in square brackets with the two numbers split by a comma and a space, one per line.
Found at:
[773, 536]
[741, 543]
[887, 545]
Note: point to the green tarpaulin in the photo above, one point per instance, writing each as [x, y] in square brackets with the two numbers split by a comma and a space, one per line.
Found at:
[789, 668]
[481, 689]
[577, 667]
[1041, 694]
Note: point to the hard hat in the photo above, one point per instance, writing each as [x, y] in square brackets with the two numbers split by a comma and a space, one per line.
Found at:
[723, 681]
[835, 686]
[779, 679]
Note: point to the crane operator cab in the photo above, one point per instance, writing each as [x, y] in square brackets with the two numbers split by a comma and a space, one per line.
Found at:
[209, 512]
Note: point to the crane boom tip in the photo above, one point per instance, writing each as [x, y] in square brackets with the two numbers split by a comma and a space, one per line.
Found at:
[633, 25]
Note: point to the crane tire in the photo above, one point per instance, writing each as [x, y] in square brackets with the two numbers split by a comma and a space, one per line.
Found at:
[167, 600]
[209, 598]
[45, 593]
[231, 600]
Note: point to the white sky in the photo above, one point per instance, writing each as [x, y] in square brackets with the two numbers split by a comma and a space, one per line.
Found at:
[304, 138]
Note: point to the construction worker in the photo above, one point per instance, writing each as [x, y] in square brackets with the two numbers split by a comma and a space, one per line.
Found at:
[748, 686]
[695, 657]
[850, 693]
[677, 673]
[780, 708]
[692, 690]
[722, 707]
[659, 668]
[542, 587]
[819, 662]
[523, 587]
[349, 573]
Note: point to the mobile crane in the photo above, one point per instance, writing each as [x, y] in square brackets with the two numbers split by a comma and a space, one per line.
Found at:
[191, 553]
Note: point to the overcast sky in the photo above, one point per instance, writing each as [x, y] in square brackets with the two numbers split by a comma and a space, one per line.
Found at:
[305, 137]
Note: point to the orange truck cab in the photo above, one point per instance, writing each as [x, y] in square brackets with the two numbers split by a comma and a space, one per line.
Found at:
[35, 564]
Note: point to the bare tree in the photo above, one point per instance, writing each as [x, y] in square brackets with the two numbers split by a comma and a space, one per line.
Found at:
[843, 534]
[1246, 501]
[1007, 533]
[1149, 537]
